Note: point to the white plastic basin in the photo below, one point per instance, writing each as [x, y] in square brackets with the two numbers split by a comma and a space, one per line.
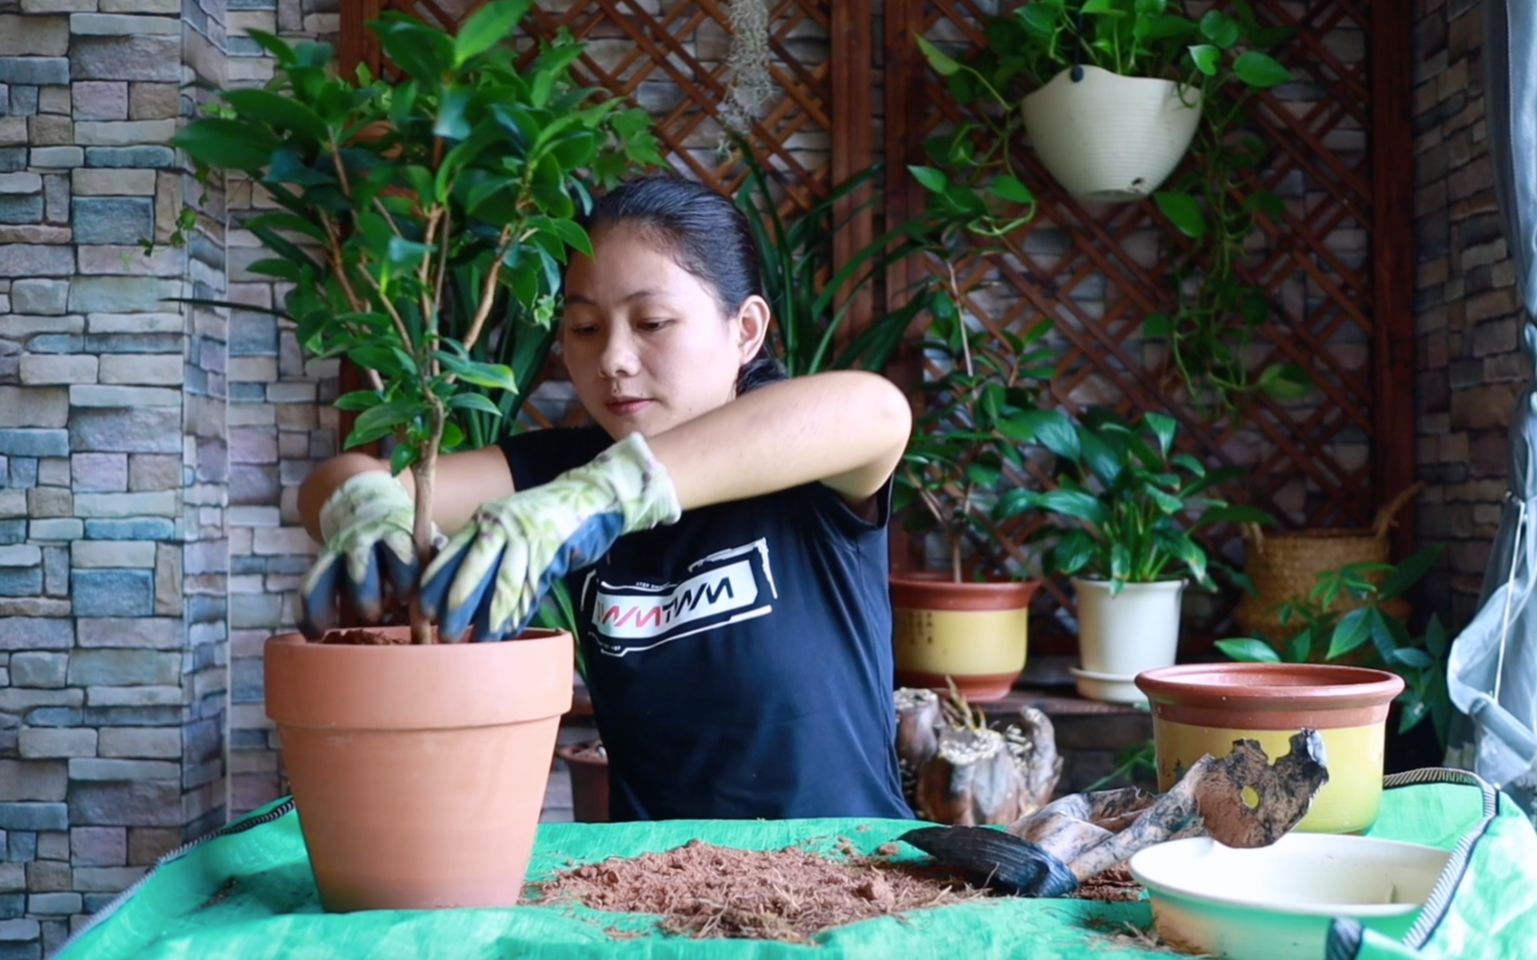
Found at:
[1276, 902]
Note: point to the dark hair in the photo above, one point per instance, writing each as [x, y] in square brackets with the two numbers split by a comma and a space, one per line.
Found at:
[706, 235]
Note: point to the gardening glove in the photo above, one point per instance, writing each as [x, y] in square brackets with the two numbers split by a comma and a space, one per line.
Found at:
[494, 572]
[366, 526]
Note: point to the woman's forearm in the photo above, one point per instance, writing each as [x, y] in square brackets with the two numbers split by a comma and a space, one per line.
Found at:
[846, 428]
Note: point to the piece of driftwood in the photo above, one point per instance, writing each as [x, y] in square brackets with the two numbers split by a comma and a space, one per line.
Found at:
[958, 770]
[1049, 852]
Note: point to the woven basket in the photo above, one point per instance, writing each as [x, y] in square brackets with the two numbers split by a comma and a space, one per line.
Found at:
[1285, 567]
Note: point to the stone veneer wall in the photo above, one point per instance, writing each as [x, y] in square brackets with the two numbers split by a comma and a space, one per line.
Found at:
[1470, 368]
[119, 452]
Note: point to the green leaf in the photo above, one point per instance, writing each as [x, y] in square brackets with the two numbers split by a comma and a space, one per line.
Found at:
[983, 475]
[1248, 650]
[378, 421]
[1191, 554]
[1221, 29]
[226, 144]
[569, 232]
[421, 51]
[474, 401]
[1163, 427]
[1410, 572]
[490, 25]
[496, 376]
[942, 64]
[1167, 503]
[282, 269]
[1073, 552]
[1411, 657]
[1435, 637]
[450, 123]
[1011, 189]
[1285, 381]
[280, 49]
[932, 180]
[285, 113]
[1048, 428]
[1353, 630]
[359, 400]
[1183, 211]
[1191, 464]
[402, 458]
[1101, 7]
[403, 254]
[1260, 70]
[1414, 712]
[1301, 649]
[1158, 326]
[1206, 58]
[1077, 504]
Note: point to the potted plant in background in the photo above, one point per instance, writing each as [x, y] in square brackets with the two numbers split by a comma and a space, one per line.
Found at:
[956, 625]
[418, 767]
[1129, 506]
[1112, 93]
[1356, 616]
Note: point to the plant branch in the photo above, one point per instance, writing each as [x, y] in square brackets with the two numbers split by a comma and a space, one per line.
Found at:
[488, 289]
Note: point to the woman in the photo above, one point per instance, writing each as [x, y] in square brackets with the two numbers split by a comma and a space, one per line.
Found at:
[723, 530]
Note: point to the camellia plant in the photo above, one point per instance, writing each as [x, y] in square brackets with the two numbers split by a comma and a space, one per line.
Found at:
[415, 215]
[966, 440]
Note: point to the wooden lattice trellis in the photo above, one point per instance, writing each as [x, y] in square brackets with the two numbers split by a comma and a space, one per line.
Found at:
[1338, 263]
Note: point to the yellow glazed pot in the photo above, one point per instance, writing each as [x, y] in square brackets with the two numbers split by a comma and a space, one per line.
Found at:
[1203, 708]
[973, 633]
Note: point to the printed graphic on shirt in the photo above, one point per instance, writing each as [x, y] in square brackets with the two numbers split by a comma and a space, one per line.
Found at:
[726, 587]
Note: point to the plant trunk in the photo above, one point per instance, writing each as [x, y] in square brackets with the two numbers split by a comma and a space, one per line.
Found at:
[424, 471]
[955, 556]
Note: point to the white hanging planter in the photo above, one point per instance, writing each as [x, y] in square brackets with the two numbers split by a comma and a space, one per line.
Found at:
[1120, 636]
[1111, 138]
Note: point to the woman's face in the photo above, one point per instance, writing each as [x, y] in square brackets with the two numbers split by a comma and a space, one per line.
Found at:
[644, 340]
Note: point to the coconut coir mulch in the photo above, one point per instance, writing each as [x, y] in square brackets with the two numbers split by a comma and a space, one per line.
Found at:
[705, 891]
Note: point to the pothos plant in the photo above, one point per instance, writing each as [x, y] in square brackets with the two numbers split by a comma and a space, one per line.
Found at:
[401, 204]
[1317, 631]
[965, 440]
[1219, 59]
[1128, 505]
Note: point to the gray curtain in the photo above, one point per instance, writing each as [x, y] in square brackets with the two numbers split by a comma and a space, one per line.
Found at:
[1493, 670]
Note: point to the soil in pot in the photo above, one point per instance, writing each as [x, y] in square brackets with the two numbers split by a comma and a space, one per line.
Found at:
[366, 638]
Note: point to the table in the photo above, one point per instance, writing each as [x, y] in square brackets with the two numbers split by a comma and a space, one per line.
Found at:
[250, 894]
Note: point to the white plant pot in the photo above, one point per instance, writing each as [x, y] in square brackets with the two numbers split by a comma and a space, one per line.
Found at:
[1111, 138]
[1120, 636]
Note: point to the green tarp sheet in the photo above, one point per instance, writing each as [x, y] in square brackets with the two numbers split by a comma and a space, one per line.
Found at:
[247, 892]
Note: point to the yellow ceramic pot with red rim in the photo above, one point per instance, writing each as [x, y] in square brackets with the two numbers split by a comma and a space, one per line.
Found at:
[1203, 708]
[976, 634]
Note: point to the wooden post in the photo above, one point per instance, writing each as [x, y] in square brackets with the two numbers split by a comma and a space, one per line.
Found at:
[853, 146]
[1393, 260]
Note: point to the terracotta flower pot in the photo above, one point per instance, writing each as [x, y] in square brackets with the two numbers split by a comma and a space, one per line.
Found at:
[974, 633]
[1203, 708]
[588, 766]
[419, 771]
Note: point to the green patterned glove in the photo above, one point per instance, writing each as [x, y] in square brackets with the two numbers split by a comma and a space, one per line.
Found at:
[367, 528]
[493, 573]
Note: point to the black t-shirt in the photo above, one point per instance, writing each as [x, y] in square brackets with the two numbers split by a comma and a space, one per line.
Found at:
[740, 660]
